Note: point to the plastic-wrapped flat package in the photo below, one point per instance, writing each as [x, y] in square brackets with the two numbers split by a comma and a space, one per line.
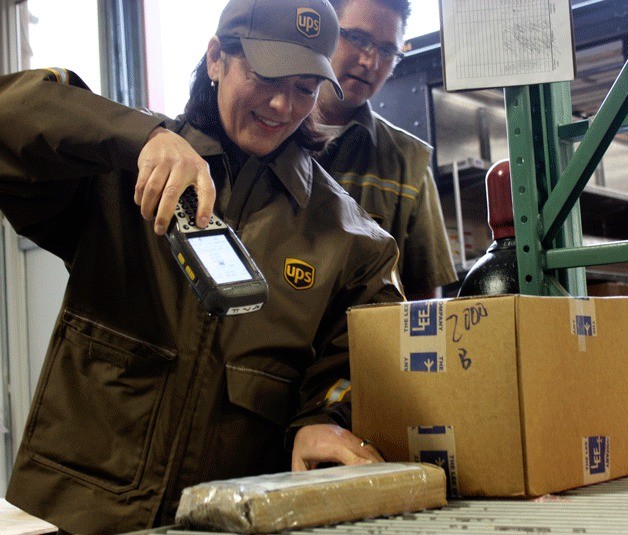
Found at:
[294, 500]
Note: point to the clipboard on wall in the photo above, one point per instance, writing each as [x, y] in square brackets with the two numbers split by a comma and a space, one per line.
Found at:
[500, 43]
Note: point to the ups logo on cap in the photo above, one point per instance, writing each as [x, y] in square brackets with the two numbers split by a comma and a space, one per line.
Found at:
[308, 22]
[299, 274]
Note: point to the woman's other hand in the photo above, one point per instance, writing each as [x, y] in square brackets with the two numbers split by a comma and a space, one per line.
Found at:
[326, 443]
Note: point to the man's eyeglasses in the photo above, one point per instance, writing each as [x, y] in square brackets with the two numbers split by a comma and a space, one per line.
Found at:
[386, 52]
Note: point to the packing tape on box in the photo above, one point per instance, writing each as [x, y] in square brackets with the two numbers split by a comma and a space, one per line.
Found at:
[423, 340]
[583, 321]
[596, 459]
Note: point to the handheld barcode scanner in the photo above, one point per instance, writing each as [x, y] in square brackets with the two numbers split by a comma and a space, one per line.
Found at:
[219, 268]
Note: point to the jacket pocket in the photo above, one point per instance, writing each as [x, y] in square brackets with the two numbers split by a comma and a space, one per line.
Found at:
[97, 404]
[267, 394]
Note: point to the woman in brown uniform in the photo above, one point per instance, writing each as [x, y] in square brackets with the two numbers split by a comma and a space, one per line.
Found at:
[142, 393]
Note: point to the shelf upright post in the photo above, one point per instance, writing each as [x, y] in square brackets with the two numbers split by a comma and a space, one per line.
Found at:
[556, 111]
[538, 157]
[521, 143]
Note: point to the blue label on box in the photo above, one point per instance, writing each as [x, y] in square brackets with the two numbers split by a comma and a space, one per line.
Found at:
[433, 430]
[436, 445]
[584, 325]
[423, 318]
[425, 362]
[596, 451]
[597, 455]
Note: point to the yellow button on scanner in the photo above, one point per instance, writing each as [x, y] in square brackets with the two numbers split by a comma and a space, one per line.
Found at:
[181, 259]
[190, 273]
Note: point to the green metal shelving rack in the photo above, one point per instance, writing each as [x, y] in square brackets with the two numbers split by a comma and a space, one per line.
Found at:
[548, 176]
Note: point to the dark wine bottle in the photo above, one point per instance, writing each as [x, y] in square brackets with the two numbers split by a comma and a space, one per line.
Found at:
[496, 271]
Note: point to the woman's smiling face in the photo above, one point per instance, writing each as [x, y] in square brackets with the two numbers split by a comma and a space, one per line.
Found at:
[259, 114]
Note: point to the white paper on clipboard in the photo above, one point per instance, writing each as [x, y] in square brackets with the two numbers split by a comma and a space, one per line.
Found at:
[498, 43]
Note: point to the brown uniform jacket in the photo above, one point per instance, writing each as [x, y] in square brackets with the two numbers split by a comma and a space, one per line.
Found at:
[387, 171]
[142, 393]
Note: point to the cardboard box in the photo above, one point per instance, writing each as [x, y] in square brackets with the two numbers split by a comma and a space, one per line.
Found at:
[294, 500]
[513, 395]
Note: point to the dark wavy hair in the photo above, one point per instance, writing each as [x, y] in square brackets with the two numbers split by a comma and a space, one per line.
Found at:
[201, 109]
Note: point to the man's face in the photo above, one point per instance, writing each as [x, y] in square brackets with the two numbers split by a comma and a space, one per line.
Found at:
[362, 73]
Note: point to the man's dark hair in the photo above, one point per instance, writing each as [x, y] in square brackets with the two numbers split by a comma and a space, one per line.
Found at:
[398, 6]
[201, 109]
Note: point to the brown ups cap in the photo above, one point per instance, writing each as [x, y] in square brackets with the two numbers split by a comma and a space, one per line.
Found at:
[284, 37]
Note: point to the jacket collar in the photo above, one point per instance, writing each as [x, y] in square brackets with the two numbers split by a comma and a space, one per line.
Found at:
[365, 118]
[205, 145]
[292, 166]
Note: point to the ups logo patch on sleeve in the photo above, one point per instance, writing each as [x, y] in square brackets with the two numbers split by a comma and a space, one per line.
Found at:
[299, 274]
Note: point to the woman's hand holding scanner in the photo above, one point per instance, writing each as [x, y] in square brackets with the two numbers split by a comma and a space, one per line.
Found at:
[216, 263]
[326, 443]
[167, 166]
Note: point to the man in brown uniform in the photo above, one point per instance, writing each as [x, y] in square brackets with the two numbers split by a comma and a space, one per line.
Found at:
[383, 167]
